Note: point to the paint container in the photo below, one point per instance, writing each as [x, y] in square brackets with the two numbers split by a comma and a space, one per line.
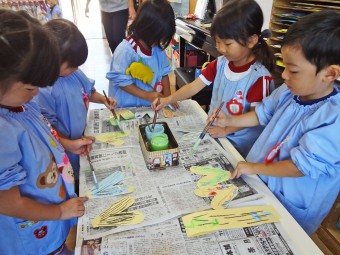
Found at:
[158, 130]
[159, 142]
[159, 157]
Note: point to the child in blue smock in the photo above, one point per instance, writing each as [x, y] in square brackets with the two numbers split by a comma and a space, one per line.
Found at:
[38, 204]
[240, 76]
[53, 10]
[140, 67]
[297, 154]
[65, 104]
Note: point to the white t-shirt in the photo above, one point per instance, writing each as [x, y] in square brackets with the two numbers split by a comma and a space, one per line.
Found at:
[113, 5]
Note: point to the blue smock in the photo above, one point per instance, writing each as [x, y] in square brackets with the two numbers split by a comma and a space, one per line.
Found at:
[35, 162]
[65, 105]
[308, 134]
[228, 86]
[123, 57]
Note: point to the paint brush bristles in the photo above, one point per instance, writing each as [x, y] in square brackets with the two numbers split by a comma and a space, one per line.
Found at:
[113, 113]
[205, 130]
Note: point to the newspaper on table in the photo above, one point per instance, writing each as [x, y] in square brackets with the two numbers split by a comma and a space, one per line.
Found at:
[160, 195]
[169, 238]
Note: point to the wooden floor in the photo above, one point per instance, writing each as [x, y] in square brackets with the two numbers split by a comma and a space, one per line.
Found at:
[96, 66]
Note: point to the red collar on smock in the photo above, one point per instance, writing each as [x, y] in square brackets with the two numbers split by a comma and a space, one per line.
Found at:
[240, 69]
[137, 45]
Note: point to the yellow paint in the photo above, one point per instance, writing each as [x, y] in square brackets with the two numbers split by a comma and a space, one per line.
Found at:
[112, 138]
[222, 194]
[205, 222]
[116, 215]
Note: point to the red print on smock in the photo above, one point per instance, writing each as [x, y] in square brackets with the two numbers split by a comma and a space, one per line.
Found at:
[159, 87]
[235, 105]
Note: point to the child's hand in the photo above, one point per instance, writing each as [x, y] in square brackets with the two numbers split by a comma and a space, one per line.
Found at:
[243, 168]
[80, 146]
[111, 104]
[152, 96]
[217, 132]
[86, 146]
[221, 119]
[73, 207]
[163, 102]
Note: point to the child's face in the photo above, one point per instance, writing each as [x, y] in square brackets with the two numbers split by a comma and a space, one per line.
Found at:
[300, 75]
[19, 94]
[51, 3]
[66, 70]
[233, 51]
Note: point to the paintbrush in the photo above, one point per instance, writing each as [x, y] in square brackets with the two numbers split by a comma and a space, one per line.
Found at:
[155, 116]
[113, 113]
[93, 172]
[205, 130]
[147, 122]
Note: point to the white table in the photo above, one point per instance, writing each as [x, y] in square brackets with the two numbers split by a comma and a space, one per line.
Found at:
[294, 235]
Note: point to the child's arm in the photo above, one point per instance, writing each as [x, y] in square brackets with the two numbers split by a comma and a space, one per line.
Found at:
[99, 98]
[183, 93]
[217, 132]
[138, 92]
[285, 168]
[14, 205]
[167, 90]
[166, 85]
[221, 130]
[248, 119]
[81, 146]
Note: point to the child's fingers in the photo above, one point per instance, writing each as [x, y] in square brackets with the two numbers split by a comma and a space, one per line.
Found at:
[154, 103]
[83, 199]
[92, 138]
[233, 174]
[87, 140]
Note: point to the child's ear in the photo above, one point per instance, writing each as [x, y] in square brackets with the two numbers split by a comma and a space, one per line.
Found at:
[63, 67]
[252, 41]
[332, 73]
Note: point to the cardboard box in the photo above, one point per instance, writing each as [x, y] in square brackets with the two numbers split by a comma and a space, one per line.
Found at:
[163, 158]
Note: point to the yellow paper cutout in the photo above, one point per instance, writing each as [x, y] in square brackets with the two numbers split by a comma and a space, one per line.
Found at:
[125, 114]
[112, 138]
[168, 113]
[222, 194]
[205, 222]
[212, 177]
[117, 215]
[121, 114]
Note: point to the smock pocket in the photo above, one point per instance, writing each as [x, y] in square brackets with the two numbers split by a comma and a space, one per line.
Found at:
[41, 237]
[299, 214]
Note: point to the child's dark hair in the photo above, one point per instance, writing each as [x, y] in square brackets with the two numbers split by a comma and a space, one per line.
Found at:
[318, 35]
[154, 23]
[28, 52]
[72, 43]
[240, 19]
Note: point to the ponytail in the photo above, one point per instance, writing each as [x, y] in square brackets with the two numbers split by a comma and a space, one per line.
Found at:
[263, 52]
